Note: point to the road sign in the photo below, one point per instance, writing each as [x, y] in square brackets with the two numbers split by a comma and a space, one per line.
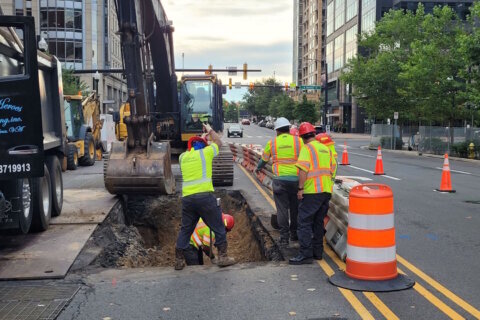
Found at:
[310, 87]
[395, 115]
[238, 85]
[232, 71]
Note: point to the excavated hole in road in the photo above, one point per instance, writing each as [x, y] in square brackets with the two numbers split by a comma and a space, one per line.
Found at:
[149, 232]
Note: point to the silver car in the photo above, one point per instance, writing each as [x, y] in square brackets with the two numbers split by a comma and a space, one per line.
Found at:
[235, 130]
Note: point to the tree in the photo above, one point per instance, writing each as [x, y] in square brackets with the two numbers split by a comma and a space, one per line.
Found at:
[374, 72]
[306, 111]
[257, 101]
[72, 83]
[230, 111]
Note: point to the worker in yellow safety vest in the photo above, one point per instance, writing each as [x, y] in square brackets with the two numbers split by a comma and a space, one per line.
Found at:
[198, 200]
[202, 239]
[284, 150]
[315, 185]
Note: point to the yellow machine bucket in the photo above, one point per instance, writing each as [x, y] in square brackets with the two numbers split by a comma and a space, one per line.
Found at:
[134, 171]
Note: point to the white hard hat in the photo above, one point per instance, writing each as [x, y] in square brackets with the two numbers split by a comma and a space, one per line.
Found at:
[282, 122]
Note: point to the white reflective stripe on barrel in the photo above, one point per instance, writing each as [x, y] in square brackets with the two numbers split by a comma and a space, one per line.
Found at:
[371, 221]
[373, 255]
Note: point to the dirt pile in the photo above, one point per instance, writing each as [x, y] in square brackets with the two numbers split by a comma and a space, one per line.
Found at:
[148, 236]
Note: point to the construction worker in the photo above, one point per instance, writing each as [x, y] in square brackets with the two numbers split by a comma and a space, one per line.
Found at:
[284, 150]
[198, 200]
[200, 241]
[315, 184]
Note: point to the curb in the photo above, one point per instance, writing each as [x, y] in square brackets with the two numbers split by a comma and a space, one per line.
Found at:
[428, 155]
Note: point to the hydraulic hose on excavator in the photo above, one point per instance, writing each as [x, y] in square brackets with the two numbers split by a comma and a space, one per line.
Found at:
[141, 164]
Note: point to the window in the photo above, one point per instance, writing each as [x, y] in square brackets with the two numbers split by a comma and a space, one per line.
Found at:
[78, 52]
[351, 9]
[60, 18]
[69, 19]
[350, 43]
[70, 54]
[339, 13]
[338, 54]
[368, 20]
[330, 18]
[78, 19]
[11, 61]
[52, 20]
[329, 55]
[60, 50]
[43, 18]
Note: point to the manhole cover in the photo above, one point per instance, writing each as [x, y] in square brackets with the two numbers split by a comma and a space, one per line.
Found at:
[473, 201]
[34, 302]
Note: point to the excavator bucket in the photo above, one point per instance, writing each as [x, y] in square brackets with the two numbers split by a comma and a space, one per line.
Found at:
[134, 171]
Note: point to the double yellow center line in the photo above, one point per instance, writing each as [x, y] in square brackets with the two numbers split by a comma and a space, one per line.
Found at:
[372, 297]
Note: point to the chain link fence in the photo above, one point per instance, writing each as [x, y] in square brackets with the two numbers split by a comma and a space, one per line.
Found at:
[388, 136]
[454, 141]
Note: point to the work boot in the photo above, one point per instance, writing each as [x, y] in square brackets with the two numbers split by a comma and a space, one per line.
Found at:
[223, 260]
[293, 236]
[179, 259]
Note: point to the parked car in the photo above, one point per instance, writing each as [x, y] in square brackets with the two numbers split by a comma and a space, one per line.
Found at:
[235, 130]
[246, 122]
[262, 123]
[270, 125]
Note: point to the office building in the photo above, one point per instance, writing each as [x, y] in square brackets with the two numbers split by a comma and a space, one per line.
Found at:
[82, 35]
[345, 19]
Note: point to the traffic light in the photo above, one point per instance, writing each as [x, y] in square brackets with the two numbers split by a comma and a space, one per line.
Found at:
[209, 71]
[251, 85]
[230, 83]
[245, 68]
[286, 86]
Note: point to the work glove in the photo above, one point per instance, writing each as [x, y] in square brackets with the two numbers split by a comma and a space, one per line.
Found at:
[207, 127]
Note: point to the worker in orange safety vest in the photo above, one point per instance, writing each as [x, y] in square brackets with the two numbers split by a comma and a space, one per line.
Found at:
[200, 241]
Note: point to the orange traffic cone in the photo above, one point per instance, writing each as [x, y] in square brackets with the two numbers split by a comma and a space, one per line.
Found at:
[345, 156]
[446, 184]
[379, 165]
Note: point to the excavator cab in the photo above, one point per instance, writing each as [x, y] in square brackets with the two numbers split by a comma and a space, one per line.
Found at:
[200, 102]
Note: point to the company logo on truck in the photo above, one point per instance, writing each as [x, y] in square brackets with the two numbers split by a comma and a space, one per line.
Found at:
[6, 105]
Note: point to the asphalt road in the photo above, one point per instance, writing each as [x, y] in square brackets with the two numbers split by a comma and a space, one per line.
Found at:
[437, 246]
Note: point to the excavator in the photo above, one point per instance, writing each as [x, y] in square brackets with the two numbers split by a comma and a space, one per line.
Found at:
[152, 114]
[141, 164]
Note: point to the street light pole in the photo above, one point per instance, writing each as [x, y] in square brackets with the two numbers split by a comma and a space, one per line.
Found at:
[325, 107]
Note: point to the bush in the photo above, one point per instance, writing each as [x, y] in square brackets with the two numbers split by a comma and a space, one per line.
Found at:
[386, 143]
[433, 145]
[460, 149]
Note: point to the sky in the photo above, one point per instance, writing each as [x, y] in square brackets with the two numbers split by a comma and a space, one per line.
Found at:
[226, 33]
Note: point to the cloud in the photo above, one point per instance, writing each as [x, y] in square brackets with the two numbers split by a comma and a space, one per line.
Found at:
[228, 33]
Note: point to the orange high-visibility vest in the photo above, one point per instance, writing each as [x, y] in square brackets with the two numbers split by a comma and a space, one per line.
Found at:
[317, 160]
[201, 235]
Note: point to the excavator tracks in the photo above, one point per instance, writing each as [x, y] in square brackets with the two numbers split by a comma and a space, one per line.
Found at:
[222, 170]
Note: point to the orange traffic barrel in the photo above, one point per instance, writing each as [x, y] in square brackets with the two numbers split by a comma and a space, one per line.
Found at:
[371, 263]
[371, 252]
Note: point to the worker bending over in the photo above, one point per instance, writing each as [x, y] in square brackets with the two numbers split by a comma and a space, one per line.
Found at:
[202, 239]
[284, 150]
[315, 184]
[198, 200]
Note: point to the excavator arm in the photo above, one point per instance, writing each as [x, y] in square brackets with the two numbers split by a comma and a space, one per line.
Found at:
[142, 163]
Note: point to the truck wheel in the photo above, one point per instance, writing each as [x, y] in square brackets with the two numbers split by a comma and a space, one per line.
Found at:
[88, 158]
[41, 202]
[55, 169]
[72, 157]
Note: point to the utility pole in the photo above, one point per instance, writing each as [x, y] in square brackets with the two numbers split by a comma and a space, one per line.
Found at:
[325, 108]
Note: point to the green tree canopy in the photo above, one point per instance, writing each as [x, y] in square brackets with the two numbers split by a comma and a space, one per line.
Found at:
[72, 83]
[306, 111]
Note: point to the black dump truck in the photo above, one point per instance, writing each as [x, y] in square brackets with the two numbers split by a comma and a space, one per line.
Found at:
[32, 129]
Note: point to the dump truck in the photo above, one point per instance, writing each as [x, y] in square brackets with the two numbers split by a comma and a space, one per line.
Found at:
[32, 129]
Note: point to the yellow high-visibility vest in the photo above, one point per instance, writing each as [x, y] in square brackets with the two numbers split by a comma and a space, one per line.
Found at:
[317, 160]
[196, 166]
[201, 236]
[284, 151]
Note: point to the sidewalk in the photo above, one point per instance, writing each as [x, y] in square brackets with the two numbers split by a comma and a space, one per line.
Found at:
[352, 136]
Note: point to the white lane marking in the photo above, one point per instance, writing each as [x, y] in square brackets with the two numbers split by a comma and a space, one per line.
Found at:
[249, 136]
[259, 136]
[389, 177]
[356, 178]
[362, 155]
[456, 171]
